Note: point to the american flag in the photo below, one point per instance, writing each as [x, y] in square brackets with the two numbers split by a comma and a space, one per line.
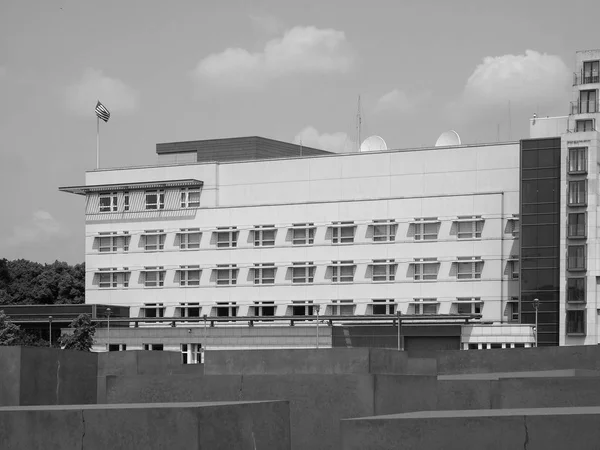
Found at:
[102, 112]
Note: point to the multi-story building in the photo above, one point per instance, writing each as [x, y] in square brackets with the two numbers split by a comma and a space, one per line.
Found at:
[430, 231]
[560, 267]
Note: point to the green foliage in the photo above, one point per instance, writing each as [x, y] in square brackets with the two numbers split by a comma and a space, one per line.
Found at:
[10, 334]
[24, 282]
[82, 337]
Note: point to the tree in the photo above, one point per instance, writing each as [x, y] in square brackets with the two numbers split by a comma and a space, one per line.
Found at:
[10, 334]
[82, 337]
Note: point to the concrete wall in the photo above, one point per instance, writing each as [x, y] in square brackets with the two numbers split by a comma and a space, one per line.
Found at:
[531, 429]
[144, 363]
[305, 361]
[519, 360]
[202, 426]
[317, 402]
[47, 376]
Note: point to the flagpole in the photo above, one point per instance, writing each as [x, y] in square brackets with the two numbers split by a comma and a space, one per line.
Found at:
[97, 142]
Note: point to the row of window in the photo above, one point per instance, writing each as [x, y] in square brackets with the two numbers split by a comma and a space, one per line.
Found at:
[153, 200]
[299, 234]
[379, 270]
[190, 353]
[418, 306]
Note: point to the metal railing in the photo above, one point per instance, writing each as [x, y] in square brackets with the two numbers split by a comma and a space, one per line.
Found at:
[585, 78]
[579, 107]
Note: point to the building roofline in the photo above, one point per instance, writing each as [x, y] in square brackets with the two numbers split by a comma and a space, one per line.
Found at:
[331, 155]
[83, 190]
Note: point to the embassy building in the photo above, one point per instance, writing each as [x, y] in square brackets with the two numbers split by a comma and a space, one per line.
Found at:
[226, 243]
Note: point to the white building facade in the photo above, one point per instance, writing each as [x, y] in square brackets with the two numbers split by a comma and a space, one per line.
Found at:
[422, 232]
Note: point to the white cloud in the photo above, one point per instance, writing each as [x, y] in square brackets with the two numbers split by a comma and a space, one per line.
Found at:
[300, 50]
[400, 101]
[526, 79]
[267, 23]
[335, 142]
[41, 225]
[94, 86]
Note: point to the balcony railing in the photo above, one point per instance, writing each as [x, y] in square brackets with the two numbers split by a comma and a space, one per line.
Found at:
[579, 107]
[585, 78]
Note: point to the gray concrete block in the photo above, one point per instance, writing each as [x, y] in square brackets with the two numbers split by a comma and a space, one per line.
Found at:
[305, 361]
[204, 426]
[317, 402]
[47, 376]
[532, 429]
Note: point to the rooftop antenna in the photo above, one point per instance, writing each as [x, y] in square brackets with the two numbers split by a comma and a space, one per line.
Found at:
[358, 125]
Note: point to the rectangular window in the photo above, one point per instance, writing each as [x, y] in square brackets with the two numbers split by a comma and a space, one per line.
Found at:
[154, 347]
[190, 309]
[512, 226]
[154, 310]
[426, 269]
[342, 232]
[384, 270]
[189, 276]
[303, 233]
[578, 160]
[588, 101]
[189, 238]
[576, 322]
[384, 230]
[301, 308]
[590, 72]
[512, 309]
[342, 308]
[264, 273]
[514, 268]
[226, 274]
[469, 268]
[384, 307]
[469, 305]
[154, 277]
[425, 306]
[577, 192]
[107, 242]
[303, 272]
[576, 290]
[107, 278]
[125, 201]
[264, 235]
[226, 309]
[108, 201]
[155, 199]
[154, 240]
[191, 353]
[190, 198]
[264, 309]
[117, 347]
[577, 228]
[576, 257]
[342, 271]
[584, 125]
[226, 237]
[426, 229]
[469, 227]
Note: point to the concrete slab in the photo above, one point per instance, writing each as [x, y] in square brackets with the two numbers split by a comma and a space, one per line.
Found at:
[305, 361]
[532, 429]
[519, 360]
[47, 376]
[317, 402]
[534, 374]
[139, 362]
[202, 426]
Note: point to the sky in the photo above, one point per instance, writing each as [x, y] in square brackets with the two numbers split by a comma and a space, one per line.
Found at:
[289, 70]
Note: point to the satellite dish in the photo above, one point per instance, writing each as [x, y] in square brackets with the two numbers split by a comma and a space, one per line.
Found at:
[373, 144]
[448, 138]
